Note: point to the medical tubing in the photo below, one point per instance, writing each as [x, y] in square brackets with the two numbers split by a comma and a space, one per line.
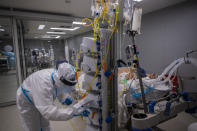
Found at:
[104, 12]
[171, 68]
[78, 55]
[104, 57]
[171, 72]
[92, 24]
[114, 28]
[122, 90]
[168, 68]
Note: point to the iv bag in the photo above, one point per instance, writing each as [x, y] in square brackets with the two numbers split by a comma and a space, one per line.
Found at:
[128, 10]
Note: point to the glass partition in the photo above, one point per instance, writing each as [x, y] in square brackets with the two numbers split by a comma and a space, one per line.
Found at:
[43, 46]
[8, 76]
[47, 43]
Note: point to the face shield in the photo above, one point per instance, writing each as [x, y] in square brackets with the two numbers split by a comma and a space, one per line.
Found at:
[66, 89]
[67, 95]
[65, 75]
[65, 81]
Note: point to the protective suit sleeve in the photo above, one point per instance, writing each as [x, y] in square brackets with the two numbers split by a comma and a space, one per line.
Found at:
[43, 100]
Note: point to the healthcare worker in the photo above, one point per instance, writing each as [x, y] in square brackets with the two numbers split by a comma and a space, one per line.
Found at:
[36, 95]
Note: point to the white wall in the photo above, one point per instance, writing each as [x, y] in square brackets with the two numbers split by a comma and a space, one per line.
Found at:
[166, 35]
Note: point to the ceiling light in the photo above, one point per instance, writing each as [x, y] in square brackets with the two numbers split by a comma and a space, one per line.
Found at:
[50, 36]
[46, 36]
[59, 33]
[2, 29]
[70, 29]
[79, 23]
[41, 27]
[138, 0]
[57, 37]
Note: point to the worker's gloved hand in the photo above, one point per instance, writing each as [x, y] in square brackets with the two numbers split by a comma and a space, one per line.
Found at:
[84, 113]
[68, 101]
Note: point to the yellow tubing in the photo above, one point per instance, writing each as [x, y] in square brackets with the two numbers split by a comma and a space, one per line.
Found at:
[121, 92]
[78, 55]
[96, 22]
[114, 28]
[105, 55]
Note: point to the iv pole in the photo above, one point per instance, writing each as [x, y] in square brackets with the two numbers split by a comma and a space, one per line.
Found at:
[137, 66]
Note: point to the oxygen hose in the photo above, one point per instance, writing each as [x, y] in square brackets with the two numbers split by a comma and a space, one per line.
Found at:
[170, 69]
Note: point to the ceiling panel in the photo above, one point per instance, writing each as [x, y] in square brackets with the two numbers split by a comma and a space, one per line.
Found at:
[75, 7]
[79, 8]
[31, 29]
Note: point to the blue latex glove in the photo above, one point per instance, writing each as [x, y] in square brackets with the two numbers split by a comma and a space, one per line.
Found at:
[85, 113]
[68, 101]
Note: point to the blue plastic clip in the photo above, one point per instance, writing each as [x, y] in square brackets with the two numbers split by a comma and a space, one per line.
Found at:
[100, 121]
[98, 43]
[99, 57]
[99, 75]
[167, 110]
[98, 48]
[68, 101]
[186, 97]
[85, 113]
[142, 72]
[107, 73]
[98, 85]
[98, 63]
[129, 104]
[108, 119]
[151, 106]
[99, 103]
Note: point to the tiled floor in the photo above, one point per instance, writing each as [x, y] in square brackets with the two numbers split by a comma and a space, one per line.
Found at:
[8, 86]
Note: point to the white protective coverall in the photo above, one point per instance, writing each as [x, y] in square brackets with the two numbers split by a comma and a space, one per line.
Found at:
[35, 100]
